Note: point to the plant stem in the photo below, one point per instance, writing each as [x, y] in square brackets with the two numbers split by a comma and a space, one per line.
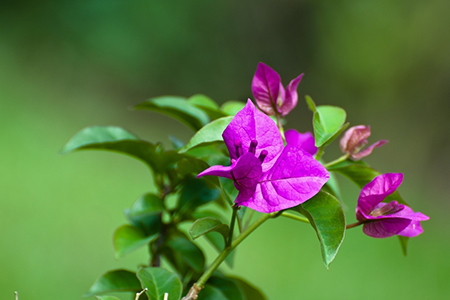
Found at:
[319, 152]
[336, 161]
[221, 257]
[294, 217]
[280, 127]
[233, 221]
[353, 225]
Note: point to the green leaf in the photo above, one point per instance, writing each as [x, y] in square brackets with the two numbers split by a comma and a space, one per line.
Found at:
[160, 281]
[250, 292]
[404, 244]
[178, 108]
[327, 121]
[115, 281]
[207, 105]
[211, 293]
[361, 174]
[310, 103]
[210, 133]
[187, 251]
[119, 140]
[146, 205]
[332, 186]
[208, 224]
[325, 215]
[228, 286]
[231, 108]
[195, 193]
[106, 298]
[193, 166]
[128, 238]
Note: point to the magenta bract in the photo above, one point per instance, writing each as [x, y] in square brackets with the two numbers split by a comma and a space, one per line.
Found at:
[269, 93]
[382, 220]
[269, 176]
[355, 138]
[304, 141]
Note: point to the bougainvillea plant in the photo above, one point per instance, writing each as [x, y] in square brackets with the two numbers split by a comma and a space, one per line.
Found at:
[240, 165]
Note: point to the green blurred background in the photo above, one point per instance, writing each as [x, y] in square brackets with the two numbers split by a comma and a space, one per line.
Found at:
[65, 65]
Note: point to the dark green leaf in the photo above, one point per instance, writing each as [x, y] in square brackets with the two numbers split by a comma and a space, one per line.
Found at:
[114, 281]
[327, 121]
[187, 251]
[150, 224]
[211, 293]
[207, 105]
[194, 193]
[146, 205]
[193, 166]
[325, 215]
[332, 186]
[160, 281]
[208, 224]
[404, 243]
[361, 174]
[228, 286]
[119, 140]
[250, 292]
[210, 133]
[231, 108]
[178, 108]
[128, 238]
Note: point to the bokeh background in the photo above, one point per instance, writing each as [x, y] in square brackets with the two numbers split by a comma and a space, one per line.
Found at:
[65, 65]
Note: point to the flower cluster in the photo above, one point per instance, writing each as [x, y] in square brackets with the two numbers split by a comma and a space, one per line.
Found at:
[269, 176]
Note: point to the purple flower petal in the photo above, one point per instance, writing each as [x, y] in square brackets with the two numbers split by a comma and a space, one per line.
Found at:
[266, 87]
[385, 227]
[291, 96]
[368, 150]
[248, 125]
[294, 178]
[304, 141]
[375, 191]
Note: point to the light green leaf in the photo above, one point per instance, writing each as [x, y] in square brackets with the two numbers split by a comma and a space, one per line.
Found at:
[106, 298]
[310, 103]
[325, 215]
[327, 121]
[208, 224]
[231, 108]
[178, 108]
[119, 140]
[115, 281]
[128, 238]
[207, 105]
[159, 281]
[210, 133]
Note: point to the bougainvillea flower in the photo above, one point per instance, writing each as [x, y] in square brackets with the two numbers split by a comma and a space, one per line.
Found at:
[269, 93]
[304, 141]
[355, 138]
[269, 176]
[382, 220]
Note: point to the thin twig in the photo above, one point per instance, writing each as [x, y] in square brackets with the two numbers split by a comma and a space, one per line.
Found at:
[16, 294]
[140, 293]
[166, 296]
